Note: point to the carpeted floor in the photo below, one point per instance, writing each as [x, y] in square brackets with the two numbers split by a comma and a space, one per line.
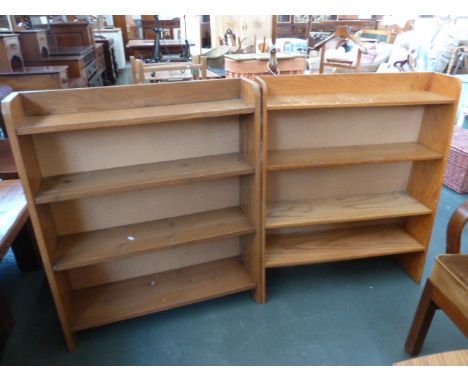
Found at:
[349, 313]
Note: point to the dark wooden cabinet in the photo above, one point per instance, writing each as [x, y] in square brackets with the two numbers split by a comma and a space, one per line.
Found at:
[72, 34]
[108, 55]
[167, 27]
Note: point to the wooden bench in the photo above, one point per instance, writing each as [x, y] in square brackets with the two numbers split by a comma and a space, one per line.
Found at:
[15, 232]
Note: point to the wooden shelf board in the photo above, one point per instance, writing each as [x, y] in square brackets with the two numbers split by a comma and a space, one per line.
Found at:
[349, 155]
[337, 245]
[154, 293]
[84, 184]
[86, 248]
[137, 116]
[336, 100]
[343, 209]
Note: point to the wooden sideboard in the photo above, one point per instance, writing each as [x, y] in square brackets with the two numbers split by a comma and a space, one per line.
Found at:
[72, 34]
[36, 78]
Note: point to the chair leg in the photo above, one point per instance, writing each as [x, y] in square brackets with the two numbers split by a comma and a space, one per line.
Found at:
[422, 320]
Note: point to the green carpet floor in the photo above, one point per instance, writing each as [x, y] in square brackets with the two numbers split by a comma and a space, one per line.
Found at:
[348, 313]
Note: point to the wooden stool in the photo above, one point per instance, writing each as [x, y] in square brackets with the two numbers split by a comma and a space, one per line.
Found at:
[15, 232]
[446, 288]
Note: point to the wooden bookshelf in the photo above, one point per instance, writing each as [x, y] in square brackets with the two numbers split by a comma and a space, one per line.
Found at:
[353, 166]
[143, 198]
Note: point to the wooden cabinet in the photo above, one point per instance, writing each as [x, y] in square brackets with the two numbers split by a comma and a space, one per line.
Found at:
[10, 53]
[143, 198]
[36, 78]
[353, 165]
[110, 64]
[72, 34]
[34, 44]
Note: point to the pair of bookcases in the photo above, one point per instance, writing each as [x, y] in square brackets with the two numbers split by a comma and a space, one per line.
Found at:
[149, 197]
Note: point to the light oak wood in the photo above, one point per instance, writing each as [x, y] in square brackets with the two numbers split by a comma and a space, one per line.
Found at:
[343, 209]
[331, 146]
[357, 100]
[92, 183]
[347, 155]
[93, 247]
[128, 117]
[194, 204]
[149, 294]
[451, 358]
[338, 245]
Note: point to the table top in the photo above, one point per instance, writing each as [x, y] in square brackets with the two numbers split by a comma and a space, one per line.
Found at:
[13, 212]
[451, 358]
[178, 75]
[261, 56]
[32, 70]
[150, 43]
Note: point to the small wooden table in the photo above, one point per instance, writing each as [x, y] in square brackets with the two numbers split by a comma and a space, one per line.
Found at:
[15, 232]
[451, 358]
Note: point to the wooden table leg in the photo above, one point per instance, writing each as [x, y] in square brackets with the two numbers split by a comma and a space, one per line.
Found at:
[422, 320]
[25, 249]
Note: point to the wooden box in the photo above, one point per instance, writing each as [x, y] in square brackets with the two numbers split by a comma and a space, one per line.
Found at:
[353, 165]
[144, 197]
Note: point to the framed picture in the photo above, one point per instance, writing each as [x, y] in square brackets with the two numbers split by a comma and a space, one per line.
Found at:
[283, 19]
[301, 19]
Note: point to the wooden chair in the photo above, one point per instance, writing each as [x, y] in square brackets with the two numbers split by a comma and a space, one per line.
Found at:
[446, 288]
[341, 33]
[176, 71]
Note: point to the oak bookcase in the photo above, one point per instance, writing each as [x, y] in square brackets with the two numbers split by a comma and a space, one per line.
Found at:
[353, 166]
[144, 197]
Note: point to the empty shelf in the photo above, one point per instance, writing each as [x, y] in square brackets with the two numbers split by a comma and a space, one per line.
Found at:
[93, 247]
[349, 155]
[336, 100]
[343, 209]
[336, 245]
[149, 294]
[137, 116]
[78, 185]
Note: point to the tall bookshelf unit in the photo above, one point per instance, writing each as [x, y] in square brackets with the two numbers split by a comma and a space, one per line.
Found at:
[144, 197]
[353, 166]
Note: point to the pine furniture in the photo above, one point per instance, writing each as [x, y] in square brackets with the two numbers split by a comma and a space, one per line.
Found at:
[143, 197]
[353, 165]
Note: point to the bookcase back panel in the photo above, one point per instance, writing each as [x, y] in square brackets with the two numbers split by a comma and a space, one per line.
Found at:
[138, 206]
[78, 151]
[127, 96]
[156, 262]
[291, 129]
[316, 183]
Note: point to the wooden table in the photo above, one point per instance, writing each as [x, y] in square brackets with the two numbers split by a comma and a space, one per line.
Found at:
[451, 358]
[15, 232]
[144, 48]
[255, 64]
[36, 78]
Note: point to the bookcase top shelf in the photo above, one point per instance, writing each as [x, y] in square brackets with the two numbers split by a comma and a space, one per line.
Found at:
[320, 101]
[134, 116]
[168, 173]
